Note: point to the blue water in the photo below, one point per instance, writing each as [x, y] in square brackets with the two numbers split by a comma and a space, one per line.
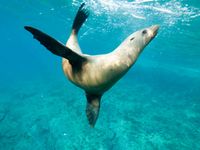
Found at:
[155, 106]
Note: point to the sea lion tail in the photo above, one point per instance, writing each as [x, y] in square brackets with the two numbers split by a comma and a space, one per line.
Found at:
[92, 108]
[80, 18]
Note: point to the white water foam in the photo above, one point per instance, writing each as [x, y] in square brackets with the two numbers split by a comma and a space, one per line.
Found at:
[167, 13]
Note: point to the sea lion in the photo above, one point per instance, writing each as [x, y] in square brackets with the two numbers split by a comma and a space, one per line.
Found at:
[98, 73]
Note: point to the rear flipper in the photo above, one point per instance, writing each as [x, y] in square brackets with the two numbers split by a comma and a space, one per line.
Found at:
[92, 108]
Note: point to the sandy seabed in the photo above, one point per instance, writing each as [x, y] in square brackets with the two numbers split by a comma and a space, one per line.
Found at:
[135, 114]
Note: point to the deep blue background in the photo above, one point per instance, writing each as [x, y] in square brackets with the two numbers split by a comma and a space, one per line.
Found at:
[155, 106]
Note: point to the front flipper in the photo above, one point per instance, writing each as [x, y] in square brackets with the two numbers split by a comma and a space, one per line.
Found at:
[80, 18]
[56, 47]
[92, 108]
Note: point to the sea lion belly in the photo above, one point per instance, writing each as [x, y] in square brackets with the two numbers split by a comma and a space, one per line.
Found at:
[97, 75]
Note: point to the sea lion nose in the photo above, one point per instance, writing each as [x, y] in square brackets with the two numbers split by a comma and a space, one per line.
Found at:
[154, 29]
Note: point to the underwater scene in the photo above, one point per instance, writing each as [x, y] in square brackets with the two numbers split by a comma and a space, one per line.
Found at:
[154, 106]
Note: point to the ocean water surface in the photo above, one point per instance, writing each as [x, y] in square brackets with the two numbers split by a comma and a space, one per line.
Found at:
[155, 106]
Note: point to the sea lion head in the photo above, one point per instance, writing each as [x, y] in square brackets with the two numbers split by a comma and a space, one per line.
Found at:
[141, 38]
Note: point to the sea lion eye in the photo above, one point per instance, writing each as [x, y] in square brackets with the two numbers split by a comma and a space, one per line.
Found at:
[132, 39]
[144, 31]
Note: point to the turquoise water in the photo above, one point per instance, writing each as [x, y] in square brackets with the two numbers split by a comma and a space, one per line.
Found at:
[155, 106]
